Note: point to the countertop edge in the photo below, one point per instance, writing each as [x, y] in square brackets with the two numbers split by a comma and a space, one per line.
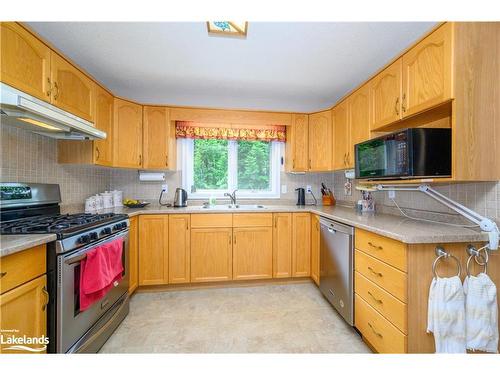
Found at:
[24, 242]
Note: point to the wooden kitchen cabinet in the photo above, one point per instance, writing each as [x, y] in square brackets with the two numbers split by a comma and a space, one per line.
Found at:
[297, 144]
[211, 254]
[252, 253]
[315, 248]
[282, 245]
[359, 120]
[320, 141]
[71, 90]
[179, 249]
[153, 249]
[133, 264]
[341, 140]
[385, 96]
[24, 309]
[158, 139]
[127, 134]
[427, 72]
[301, 244]
[25, 61]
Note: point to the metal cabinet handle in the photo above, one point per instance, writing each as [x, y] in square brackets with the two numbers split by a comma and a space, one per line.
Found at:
[140, 159]
[375, 246]
[374, 331]
[276, 222]
[50, 87]
[234, 240]
[375, 299]
[375, 272]
[229, 239]
[403, 102]
[293, 163]
[46, 294]
[166, 161]
[56, 95]
[309, 163]
[397, 106]
[2, 274]
[98, 154]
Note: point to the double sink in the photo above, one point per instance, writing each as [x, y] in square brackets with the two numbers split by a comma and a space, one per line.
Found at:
[234, 207]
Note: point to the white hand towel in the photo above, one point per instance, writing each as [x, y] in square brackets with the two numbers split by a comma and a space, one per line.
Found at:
[481, 313]
[446, 314]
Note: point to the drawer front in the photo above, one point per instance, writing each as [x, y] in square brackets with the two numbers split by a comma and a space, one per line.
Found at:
[385, 276]
[252, 220]
[211, 220]
[386, 249]
[21, 267]
[378, 331]
[390, 307]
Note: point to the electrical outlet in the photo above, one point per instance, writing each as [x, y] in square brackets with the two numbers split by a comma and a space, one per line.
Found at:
[308, 188]
[284, 189]
[164, 187]
[392, 194]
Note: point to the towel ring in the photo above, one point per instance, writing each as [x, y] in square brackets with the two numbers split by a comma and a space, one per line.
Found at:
[476, 254]
[443, 254]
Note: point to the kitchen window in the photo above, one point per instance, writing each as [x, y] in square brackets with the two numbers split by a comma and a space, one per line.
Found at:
[212, 167]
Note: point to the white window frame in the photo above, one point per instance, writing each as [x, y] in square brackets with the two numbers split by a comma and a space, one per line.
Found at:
[187, 161]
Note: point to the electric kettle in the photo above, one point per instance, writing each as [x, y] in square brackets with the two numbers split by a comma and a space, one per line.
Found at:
[180, 198]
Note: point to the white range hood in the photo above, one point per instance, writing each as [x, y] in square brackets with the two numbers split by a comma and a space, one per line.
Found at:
[25, 111]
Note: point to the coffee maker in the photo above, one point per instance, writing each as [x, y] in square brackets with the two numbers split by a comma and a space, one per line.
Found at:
[301, 198]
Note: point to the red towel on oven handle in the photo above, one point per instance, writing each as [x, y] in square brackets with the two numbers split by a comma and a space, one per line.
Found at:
[98, 272]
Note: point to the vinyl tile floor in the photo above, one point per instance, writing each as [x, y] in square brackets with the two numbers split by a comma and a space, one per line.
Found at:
[279, 318]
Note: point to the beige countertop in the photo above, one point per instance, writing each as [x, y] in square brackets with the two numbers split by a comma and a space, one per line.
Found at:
[396, 227]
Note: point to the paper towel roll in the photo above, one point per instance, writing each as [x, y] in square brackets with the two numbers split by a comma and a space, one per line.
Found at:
[151, 176]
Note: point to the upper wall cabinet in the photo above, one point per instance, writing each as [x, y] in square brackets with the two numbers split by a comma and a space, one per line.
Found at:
[359, 120]
[385, 96]
[103, 148]
[25, 61]
[71, 90]
[127, 134]
[159, 139]
[320, 141]
[427, 72]
[297, 155]
[341, 139]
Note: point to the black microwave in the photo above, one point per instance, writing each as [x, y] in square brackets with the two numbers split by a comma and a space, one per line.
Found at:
[409, 153]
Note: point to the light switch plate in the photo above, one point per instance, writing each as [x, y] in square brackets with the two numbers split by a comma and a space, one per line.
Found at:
[284, 189]
[392, 194]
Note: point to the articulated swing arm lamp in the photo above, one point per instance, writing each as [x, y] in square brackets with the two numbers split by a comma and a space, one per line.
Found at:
[486, 225]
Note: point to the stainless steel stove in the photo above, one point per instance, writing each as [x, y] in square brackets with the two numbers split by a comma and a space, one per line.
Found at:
[34, 209]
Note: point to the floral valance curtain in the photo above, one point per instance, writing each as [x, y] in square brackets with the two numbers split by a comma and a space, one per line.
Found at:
[198, 130]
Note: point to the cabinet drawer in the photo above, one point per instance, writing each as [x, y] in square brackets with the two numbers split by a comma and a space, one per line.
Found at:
[385, 276]
[390, 307]
[21, 267]
[252, 220]
[378, 331]
[386, 249]
[211, 221]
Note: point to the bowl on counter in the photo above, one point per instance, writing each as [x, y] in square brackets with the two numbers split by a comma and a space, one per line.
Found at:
[138, 204]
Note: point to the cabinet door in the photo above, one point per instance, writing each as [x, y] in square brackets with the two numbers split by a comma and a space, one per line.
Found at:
[211, 254]
[23, 310]
[133, 264]
[156, 134]
[71, 90]
[103, 148]
[252, 253]
[25, 61]
[340, 135]
[301, 245]
[359, 125]
[297, 144]
[127, 134]
[315, 249]
[153, 249]
[320, 141]
[427, 70]
[179, 249]
[385, 96]
[282, 245]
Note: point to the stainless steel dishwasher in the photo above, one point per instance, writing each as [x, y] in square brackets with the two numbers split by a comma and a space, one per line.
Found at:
[336, 266]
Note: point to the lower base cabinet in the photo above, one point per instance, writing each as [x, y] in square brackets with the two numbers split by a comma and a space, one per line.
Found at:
[301, 244]
[211, 254]
[315, 249]
[179, 249]
[153, 249]
[282, 245]
[133, 254]
[252, 253]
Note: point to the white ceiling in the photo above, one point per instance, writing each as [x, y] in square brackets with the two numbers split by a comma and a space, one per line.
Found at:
[279, 66]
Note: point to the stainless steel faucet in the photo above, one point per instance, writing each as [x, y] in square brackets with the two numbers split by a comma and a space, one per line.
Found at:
[232, 197]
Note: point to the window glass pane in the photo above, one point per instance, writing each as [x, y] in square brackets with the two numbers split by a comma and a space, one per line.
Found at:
[210, 164]
[254, 165]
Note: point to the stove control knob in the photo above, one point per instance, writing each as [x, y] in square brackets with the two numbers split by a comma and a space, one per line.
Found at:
[123, 225]
[84, 239]
[94, 236]
[106, 231]
[116, 227]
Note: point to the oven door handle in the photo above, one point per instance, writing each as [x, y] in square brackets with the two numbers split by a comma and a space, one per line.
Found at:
[82, 254]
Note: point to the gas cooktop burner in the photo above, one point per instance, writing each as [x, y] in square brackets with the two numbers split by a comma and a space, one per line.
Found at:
[61, 225]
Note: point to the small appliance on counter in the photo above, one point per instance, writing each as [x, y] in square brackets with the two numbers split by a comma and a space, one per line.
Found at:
[301, 197]
[180, 198]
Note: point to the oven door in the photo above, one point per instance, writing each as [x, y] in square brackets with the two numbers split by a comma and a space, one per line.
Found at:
[72, 323]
